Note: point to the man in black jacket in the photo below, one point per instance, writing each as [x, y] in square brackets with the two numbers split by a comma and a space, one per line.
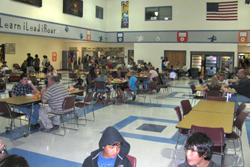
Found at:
[242, 87]
[113, 149]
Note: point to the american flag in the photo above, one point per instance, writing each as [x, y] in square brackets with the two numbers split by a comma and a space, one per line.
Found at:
[222, 11]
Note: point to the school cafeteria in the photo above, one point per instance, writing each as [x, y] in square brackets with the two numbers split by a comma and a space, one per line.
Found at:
[124, 83]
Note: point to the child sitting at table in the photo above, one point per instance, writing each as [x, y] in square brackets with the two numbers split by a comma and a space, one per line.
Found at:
[131, 87]
[105, 79]
[214, 86]
[202, 81]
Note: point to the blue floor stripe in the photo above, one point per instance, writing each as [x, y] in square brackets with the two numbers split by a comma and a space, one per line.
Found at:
[40, 160]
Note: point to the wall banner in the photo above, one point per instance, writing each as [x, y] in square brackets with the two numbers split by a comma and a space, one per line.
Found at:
[125, 14]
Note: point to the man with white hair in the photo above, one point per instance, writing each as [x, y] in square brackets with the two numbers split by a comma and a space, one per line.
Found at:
[54, 95]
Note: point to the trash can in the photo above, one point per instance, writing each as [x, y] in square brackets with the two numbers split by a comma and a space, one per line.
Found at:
[194, 73]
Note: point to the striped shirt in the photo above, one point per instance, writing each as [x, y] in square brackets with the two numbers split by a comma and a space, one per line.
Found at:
[55, 95]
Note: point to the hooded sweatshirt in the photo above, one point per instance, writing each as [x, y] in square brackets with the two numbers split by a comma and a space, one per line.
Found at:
[110, 135]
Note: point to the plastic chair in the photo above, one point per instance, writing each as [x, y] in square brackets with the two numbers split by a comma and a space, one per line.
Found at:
[73, 76]
[59, 77]
[161, 86]
[80, 93]
[87, 102]
[217, 136]
[214, 98]
[236, 134]
[180, 131]
[68, 107]
[195, 97]
[132, 160]
[2, 87]
[186, 107]
[100, 85]
[240, 109]
[8, 114]
[213, 93]
[152, 91]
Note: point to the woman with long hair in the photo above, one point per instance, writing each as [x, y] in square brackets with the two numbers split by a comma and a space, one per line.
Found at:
[214, 86]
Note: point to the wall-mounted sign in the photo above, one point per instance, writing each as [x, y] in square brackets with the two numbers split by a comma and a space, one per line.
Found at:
[120, 37]
[182, 36]
[88, 34]
[10, 48]
[243, 35]
[54, 56]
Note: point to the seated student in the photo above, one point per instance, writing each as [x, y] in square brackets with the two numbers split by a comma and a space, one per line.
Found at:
[222, 79]
[150, 74]
[14, 161]
[79, 79]
[201, 80]
[113, 149]
[199, 151]
[51, 71]
[119, 74]
[24, 66]
[3, 150]
[142, 70]
[131, 86]
[214, 86]
[103, 78]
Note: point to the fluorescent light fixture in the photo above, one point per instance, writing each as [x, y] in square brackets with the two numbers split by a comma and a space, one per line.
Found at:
[166, 18]
[156, 13]
[242, 54]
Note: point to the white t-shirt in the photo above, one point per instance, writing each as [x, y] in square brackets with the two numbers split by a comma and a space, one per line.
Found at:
[4, 69]
[166, 63]
[184, 68]
[153, 74]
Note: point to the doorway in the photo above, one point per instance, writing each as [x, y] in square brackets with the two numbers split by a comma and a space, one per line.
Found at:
[174, 56]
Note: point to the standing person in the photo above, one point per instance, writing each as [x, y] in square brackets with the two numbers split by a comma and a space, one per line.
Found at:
[54, 95]
[242, 87]
[74, 60]
[166, 63]
[45, 64]
[30, 62]
[21, 89]
[199, 151]
[70, 63]
[113, 149]
[163, 68]
[37, 64]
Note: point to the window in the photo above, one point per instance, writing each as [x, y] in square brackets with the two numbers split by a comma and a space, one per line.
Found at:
[99, 12]
[158, 13]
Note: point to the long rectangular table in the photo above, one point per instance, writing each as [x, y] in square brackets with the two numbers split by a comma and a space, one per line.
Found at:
[215, 106]
[208, 113]
[207, 119]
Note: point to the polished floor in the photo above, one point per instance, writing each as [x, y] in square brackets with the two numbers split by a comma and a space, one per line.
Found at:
[149, 128]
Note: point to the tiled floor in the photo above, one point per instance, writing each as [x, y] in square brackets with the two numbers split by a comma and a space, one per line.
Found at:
[149, 128]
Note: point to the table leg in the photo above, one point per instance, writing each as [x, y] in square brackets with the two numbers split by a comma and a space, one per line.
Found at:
[31, 111]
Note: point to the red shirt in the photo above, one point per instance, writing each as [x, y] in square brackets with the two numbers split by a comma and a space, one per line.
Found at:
[69, 60]
[110, 66]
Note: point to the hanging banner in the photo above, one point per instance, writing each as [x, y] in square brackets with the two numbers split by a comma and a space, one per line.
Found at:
[125, 14]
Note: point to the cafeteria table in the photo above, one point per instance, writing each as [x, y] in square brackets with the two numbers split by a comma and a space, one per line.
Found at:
[117, 82]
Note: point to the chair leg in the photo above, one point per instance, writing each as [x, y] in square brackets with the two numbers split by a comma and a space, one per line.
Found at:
[242, 152]
[11, 129]
[177, 141]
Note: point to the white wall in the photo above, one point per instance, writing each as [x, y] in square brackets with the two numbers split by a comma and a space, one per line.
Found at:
[187, 15]
[52, 10]
[151, 52]
[244, 49]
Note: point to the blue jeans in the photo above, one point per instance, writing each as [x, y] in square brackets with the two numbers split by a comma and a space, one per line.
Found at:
[239, 98]
[146, 83]
[35, 115]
